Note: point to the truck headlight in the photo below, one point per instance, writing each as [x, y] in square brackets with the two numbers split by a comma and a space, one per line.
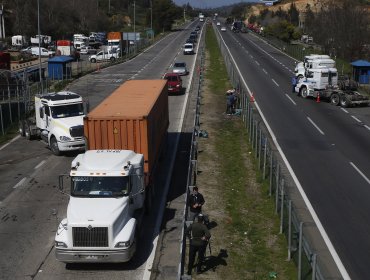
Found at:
[59, 244]
[123, 244]
[64, 138]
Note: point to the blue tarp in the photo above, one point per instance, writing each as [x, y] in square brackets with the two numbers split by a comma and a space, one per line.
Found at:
[361, 63]
[61, 59]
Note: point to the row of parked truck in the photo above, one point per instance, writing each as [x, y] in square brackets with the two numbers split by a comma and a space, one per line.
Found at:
[318, 78]
[112, 182]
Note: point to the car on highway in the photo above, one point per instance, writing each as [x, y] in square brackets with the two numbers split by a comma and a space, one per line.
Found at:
[88, 50]
[180, 68]
[110, 55]
[218, 23]
[223, 28]
[188, 48]
[174, 82]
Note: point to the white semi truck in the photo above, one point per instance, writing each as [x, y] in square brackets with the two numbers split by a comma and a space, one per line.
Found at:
[58, 121]
[313, 61]
[107, 189]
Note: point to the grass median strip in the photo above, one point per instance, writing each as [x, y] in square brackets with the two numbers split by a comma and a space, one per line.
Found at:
[245, 239]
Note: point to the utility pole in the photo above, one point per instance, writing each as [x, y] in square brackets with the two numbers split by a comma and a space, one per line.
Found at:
[134, 27]
[39, 32]
[151, 20]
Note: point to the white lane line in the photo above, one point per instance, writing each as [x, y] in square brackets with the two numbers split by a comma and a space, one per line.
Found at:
[11, 141]
[291, 100]
[40, 164]
[360, 172]
[344, 110]
[368, 127]
[315, 125]
[275, 82]
[20, 183]
[264, 71]
[356, 119]
[257, 62]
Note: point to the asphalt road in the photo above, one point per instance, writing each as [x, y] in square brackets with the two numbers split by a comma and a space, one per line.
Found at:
[327, 147]
[31, 205]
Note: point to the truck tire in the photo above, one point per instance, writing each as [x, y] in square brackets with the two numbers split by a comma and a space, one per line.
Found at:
[303, 92]
[335, 99]
[27, 130]
[93, 60]
[54, 146]
[112, 59]
[344, 102]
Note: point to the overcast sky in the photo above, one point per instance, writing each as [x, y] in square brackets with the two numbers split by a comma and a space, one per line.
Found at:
[210, 3]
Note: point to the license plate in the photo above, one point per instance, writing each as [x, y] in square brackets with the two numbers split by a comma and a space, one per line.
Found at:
[90, 257]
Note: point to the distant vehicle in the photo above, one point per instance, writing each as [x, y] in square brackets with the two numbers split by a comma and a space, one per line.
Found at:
[106, 55]
[174, 82]
[188, 48]
[180, 68]
[19, 41]
[197, 29]
[36, 51]
[88, 50]
[218, 23]
[65, 47]
[223, 28]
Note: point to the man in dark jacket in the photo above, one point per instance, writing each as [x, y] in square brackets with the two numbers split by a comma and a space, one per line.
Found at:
[196, 200]
[198, 242]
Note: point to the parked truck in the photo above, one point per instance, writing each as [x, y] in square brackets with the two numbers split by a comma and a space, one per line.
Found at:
[114, 40]
[322, 83]
[66, 47]
[302, 67]
[58, 122]
[111, 183]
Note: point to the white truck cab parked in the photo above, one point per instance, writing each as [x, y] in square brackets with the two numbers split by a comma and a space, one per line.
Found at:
[107, 189]
[58, 121]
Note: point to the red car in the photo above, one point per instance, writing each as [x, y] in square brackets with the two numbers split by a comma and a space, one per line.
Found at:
[174, 82]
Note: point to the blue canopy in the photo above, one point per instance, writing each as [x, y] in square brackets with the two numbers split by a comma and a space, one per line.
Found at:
[61, 58]
[361, 63]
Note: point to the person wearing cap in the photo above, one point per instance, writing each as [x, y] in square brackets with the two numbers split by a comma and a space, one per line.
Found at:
[199, 236]
[196, 200]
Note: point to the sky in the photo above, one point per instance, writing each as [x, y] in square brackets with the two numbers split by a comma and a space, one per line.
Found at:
[210, 3]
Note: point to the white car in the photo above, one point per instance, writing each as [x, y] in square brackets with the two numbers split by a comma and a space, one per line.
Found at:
[36, 51]
[188, 48]
[180, 68]
[218, 23]
[223, 28]
[110, 55]
[87, 50]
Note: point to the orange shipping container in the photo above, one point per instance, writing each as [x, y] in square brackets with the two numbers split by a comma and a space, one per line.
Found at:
[134, 117]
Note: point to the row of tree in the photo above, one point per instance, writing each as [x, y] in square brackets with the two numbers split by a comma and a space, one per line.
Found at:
[61, 19]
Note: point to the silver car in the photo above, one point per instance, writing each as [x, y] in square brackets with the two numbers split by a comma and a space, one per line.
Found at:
[180, 68]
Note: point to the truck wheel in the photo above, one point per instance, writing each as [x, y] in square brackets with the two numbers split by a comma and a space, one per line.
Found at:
[334, 99]
[344, 102]
[93, 60]
[54, 146]
[112, 59]
[21, 128]
[303, 92]
[27, 130]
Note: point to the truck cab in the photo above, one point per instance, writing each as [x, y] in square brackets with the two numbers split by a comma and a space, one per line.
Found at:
[103, 214]
[58, 122]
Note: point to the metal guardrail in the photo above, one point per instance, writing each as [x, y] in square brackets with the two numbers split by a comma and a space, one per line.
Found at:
[272, 169]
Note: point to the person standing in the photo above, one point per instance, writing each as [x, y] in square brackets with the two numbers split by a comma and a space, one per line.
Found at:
[230, 101]
[196, 201]
[199, 236]
[294, 83]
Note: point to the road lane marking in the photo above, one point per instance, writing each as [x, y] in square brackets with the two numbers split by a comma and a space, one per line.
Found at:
[264, 71]
[344, 110]
[356, 119]
[275, 82]
[360, 172]
[20, 183]
[40, 164]
[257, 62]
[315, 125]
[368, 127]
[287, 95]
[11, 141]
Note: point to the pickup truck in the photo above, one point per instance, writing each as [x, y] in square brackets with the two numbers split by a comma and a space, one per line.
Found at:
[109, 55]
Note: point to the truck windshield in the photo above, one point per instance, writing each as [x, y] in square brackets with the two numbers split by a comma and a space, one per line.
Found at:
[66, 111]
[100, 186]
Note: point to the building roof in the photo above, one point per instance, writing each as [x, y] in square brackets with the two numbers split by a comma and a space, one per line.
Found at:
[61, 58]
[361, 63]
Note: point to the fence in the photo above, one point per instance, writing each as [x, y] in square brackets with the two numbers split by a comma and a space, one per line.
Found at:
[295, 228]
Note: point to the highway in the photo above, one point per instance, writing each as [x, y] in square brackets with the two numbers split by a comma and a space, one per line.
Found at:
[31, 205]
[327, 148]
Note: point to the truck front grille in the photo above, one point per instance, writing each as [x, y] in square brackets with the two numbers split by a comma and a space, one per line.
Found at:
[90, 237]
[77, 131]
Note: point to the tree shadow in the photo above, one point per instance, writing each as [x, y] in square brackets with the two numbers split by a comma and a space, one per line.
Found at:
[212, 262]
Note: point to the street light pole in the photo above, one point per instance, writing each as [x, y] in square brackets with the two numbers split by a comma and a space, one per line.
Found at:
[38, 28]
[151, 20]
[134, 28]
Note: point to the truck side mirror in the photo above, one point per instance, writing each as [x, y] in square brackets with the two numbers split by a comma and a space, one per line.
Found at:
[41, 112]
[61, 183]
